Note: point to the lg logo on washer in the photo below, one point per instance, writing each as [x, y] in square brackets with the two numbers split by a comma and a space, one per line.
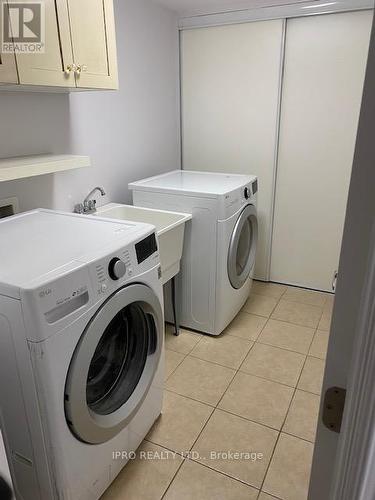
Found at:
[45, 293]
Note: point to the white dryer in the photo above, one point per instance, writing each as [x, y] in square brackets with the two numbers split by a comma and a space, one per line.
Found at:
[220, 244]
[81, 349]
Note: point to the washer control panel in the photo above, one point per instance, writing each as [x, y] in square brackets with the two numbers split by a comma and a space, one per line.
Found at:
[238, 198]
[109, 272]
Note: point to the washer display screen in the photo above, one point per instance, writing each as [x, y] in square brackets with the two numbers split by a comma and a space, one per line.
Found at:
[146, 247]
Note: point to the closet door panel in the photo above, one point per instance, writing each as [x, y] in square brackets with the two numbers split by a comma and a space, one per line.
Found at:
[230, 90]
[325, 59]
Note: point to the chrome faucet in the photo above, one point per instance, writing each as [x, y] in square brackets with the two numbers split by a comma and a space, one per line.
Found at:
[88, 206]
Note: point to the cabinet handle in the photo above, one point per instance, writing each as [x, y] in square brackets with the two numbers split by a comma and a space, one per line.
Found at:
[81, 68]
[70, 68]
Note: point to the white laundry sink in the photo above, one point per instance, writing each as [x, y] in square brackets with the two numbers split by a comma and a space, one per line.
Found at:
[170, 227]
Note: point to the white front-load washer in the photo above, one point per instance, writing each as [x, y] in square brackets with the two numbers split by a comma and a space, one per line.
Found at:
[220, 243]
[81, 349]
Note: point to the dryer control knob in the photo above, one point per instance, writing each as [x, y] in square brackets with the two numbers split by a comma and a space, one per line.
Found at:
[116, 269]
[246, 193]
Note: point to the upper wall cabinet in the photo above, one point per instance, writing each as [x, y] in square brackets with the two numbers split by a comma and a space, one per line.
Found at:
[92, 28]
[79, 47]
[54, 66]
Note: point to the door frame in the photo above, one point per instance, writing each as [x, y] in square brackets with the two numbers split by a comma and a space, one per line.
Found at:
[205, 18]
[343, 463]
[356, 449]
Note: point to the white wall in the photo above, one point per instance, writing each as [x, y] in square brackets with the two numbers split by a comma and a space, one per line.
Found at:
[129, 134]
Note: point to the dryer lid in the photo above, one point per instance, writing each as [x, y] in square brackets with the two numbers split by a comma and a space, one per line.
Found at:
[37, 243]
[206, 184]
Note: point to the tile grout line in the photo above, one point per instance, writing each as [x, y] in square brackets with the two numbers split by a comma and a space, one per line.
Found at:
[164, 389]
[216, 407]
[296, 387]
[185, 355]
[182, 360]
[238, 480]
[190, 398]
[186, 459]
[286, 415]
[270, 461]
[298, 437]
[279, 434]
[274, 381]
[239, 369]
[267, 318]
[286, 300]
[269, 494]
[285, 349]
[281, 428]
[195, 441]
[247, 419]
[220, 364]
[295, 390]
[173, 478]
[277, 347]
[235, 414]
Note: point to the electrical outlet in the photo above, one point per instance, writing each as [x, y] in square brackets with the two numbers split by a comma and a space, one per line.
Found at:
[8, 207]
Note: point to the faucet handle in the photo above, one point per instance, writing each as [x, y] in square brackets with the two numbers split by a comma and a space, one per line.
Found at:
[92, 205]
[89, 206]
[79, 208]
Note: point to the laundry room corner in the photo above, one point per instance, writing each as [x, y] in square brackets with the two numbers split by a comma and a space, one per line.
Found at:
[128, 134]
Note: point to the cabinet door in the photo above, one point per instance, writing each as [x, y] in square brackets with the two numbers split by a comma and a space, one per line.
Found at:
[8, 68]
[50, 67]
[94, 43]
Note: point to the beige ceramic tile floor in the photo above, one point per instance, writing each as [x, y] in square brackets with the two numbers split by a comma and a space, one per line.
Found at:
[254, 390]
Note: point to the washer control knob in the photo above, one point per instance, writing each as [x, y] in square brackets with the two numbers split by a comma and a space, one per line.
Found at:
[246, 193]
[116, 269]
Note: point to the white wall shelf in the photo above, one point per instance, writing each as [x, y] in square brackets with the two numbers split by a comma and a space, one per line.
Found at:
[30, 166]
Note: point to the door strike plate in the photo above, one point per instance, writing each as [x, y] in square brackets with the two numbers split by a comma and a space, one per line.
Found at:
[334, 403]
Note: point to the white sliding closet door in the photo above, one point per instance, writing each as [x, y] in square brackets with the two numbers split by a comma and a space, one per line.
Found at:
[325, 59]
[230, 90]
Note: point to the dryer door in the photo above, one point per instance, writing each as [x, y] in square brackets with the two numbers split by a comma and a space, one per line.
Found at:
[114, 364]
[242, 248]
